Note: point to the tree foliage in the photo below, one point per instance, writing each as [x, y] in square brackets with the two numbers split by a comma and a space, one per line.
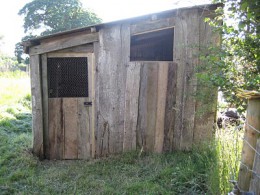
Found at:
[56, 15]
[52, 16]
[19, 50]
[10, 64]
[236, 64]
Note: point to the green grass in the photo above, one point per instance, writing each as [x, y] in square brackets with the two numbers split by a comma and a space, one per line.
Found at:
[13, 90]
[124, 174]
[205, 170]
[229, 149]
[15, 74]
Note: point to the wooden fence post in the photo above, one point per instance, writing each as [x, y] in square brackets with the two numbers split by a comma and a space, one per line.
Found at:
[249, 145]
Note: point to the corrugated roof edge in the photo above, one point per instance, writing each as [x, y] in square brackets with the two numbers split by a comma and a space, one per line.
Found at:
[35, 41]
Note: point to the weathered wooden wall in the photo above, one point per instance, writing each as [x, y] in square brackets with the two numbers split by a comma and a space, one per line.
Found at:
[151, 104]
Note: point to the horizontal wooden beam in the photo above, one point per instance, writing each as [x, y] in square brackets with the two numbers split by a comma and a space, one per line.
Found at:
[152, 25]
[88, 48]
[63, 43]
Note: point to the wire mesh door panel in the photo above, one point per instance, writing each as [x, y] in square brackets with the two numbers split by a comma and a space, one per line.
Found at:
[68, 77]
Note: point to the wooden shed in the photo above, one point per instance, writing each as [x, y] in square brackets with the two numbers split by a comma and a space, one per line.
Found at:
[123, 85]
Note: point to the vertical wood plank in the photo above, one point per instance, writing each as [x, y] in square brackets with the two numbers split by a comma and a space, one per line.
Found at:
[190, 82]
[125, 61]
[45, 105]
[84, 128]
[37, 113]
[170, 108]
[131, 106]
[95, 109]
[92, 98]
[152, 87]
[161, 103]
[56, 128]
[142, 107]
[70, 111]
[103, 94]
[179, 52]
[113, 57]
[85, 118]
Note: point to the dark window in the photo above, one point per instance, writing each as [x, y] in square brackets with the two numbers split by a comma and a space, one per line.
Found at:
[67, 77]
[152, 46]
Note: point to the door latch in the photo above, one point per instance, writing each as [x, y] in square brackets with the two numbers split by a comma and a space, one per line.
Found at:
[87, 103]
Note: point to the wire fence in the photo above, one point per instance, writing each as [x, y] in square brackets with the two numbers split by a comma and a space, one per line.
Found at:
[238, 144]
[254, 174]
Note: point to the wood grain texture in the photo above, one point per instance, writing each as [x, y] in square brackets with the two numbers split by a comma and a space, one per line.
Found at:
[55, 129]
[111, 75]
[131, 106]
[161, 103]
[65, 55]
[147, 26]
[70, 106]
[45, 105]
[190, 80]
[142, 107]
[91, 98]
[37, 112]
[87, 48]
[64, 43]
[85, 118]
[151, 112]
[179, 52]
[84, 129]
[95, 97]
[170, 107]
[124, 60]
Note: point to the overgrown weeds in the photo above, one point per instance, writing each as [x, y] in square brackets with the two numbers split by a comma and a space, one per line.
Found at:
[229, 148]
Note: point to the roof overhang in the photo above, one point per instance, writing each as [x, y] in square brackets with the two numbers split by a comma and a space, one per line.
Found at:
[95, 28]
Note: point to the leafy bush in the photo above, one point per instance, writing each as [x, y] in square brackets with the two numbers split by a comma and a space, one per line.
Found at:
[236, 63]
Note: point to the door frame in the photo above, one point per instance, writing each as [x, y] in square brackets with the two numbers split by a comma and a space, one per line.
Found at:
[91, 92]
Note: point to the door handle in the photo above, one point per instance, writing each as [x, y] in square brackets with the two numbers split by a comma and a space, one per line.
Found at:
[87, 103]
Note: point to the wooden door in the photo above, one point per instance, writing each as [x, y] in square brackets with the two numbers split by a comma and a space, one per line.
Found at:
[69, 107]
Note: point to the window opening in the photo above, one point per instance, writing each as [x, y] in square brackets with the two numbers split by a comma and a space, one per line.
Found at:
[152, 46]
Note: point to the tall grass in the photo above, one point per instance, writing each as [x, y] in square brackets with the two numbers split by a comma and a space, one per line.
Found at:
[204, 170]
[14, 74]
[229, 148]
[14, 86]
